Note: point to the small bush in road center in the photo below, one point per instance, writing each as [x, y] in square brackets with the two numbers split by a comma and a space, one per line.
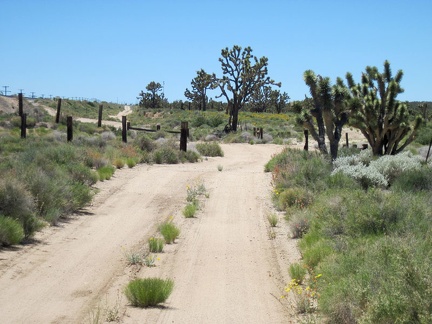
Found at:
[148, 291]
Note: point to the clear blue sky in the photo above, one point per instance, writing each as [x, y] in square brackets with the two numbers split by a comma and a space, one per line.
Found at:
[110, 50]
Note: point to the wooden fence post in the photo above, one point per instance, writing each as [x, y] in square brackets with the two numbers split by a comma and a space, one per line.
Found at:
[428, 152]
[20, 104]
[255, 131]
[57, 120]
[157, 126]
[261, 133]
[306, 134]
[23, 125]
[124, 129]
[100, 116]
[346, 140]
[184, 133]
[69, 124]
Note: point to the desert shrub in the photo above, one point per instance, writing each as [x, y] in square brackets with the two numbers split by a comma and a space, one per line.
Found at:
[299, 224]
[189, 156]
[131, 162]
[216, 120]
[145, 143]
[119, 163]
[209, 149]
[17, 203]
[293, 197]
[273, 220]
[341, 180]
[156, 245]
[82, 174]
[380, 172]
[199, 121]
[105, 172]
[89, 128]
[297, 168]
[11, 231]
[383, 281]
[169, 232]
[189, 210]
[424, 135]
[414, 180]
[165, 154]
[149, 291]
[297, 272]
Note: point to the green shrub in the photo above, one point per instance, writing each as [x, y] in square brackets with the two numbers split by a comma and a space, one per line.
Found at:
[165, 154]
[189, 156]
[81, 174]
[156, 245]
[273, 220]
[209, 149]
[105, 172]
[299, 224]
[297, 168]
[131, 162]
[424, 135]
[414, 180]
[11, 231]
[119, 163]
[17, 202]
[149, 291]
[293, 197]
[145, 143]
[169, 231]
[297, 272]
[189, 210]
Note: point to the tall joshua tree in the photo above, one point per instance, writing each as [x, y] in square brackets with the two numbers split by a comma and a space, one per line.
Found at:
[200, 84]
[325, 113]
[382, 119]
[243, 73]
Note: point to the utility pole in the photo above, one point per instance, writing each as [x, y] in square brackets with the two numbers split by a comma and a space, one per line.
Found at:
[6, 90]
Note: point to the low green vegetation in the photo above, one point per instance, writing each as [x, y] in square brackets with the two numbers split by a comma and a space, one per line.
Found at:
[156, 244]
[364, 231]
[190, 209]
[169, 231]
[273, 220]
[148, 291]
[209, 149]
[194, 194]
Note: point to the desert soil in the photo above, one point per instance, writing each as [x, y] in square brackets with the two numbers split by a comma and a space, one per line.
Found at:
[225, 265]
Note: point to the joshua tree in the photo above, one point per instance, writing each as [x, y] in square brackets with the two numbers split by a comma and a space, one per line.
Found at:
[325, 113]
[382, 119]
[200, 84]
[242, 75]
[151, 98]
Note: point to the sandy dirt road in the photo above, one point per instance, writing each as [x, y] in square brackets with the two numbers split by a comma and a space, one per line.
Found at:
[225, 267]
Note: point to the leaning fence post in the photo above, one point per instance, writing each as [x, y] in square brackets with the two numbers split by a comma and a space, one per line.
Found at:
[346, 139]
[69, 125]
[184, 133]
[124, 129]
[428, 152]
[20, 104]
[58, 111]
[100, 116]
[306, 134]
[23, 125]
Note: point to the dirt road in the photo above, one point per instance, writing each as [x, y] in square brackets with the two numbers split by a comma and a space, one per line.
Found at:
[225, 267]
